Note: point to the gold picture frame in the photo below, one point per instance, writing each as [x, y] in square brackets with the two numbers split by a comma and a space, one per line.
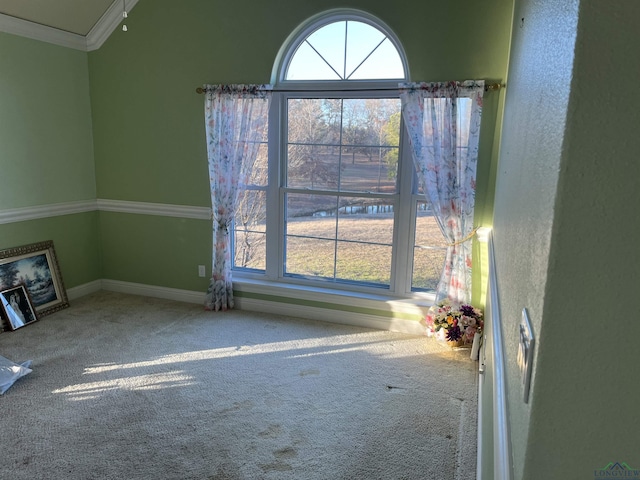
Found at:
[36, 267]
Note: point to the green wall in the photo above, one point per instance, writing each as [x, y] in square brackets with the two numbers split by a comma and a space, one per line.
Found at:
[46, 150]
[46, 145]
[148, 121]
[565, 229]
[155, 250]
[124, 122]
[75, 239]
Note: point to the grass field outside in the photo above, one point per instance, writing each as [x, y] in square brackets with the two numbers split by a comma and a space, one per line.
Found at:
[362, 253]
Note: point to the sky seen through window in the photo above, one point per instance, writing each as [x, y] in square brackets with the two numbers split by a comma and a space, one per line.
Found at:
[346, 50]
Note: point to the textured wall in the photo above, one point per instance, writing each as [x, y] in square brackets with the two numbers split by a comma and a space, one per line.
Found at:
[538, 88]
[565, 228]
[585, 413]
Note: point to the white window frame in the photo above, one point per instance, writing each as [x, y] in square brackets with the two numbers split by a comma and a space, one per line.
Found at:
[407, 197]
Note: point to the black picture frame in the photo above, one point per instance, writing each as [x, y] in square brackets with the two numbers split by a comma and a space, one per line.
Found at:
[16, 307]
[36, 267]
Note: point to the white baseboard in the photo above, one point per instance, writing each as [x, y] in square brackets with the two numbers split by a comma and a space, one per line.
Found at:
[85, 289]
[331, 315]
[155, 291]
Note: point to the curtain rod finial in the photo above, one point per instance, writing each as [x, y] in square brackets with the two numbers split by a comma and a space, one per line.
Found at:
[200, 90]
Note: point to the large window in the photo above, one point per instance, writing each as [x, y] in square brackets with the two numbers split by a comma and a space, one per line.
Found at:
[334, 197]
[341, 188]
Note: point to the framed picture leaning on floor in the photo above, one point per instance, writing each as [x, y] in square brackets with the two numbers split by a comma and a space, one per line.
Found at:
[36, 267]
[17, 308]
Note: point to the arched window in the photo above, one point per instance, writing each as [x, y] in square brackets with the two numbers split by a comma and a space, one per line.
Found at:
[345, 50]
[339, 204]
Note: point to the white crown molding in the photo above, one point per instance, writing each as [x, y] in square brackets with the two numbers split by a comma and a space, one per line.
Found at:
[100, 32]
[161, 209]
[45, 211]
[35, 31]
[107, 24]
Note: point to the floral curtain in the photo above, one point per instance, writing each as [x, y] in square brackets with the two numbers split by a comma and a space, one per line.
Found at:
[444, 130]
[236, 120]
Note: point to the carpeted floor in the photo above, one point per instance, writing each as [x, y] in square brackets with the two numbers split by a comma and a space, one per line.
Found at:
[127, 387]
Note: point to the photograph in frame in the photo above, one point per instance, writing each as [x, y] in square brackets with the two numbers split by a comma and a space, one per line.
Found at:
[36, 267]
[17, 308]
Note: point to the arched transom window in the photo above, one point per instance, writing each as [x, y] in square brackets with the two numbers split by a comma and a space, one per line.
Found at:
[346, 50]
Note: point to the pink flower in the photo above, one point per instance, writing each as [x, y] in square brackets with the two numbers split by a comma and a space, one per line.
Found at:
[470, 332]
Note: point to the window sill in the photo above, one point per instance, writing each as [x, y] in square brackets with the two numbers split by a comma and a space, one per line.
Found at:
[374, 310]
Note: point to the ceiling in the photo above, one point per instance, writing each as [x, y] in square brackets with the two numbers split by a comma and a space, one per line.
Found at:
[74, 16]
[80, 24]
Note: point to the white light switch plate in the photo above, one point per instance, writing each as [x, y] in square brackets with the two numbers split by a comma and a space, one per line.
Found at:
[525, 353]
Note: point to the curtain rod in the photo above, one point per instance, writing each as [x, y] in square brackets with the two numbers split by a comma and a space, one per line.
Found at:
[491, 87]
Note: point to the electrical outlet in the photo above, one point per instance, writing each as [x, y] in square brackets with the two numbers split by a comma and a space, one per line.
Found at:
[201, 271]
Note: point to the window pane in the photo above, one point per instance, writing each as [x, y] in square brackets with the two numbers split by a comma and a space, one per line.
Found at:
[371, 135]
[249, 230]
[314, 121]
[366, 169]
[427, 268]
[328, 41]
[365, 220]
[384, 62]
[313, 166]
[362, 39]
[249, 250]
[365, 236]
[306, 64]
[301, 206]
[309, 256]
[429, 250]
[310, 232]
[360, 262]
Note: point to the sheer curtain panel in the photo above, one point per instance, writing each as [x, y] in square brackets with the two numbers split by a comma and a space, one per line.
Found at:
[443, 122]
[235, 119]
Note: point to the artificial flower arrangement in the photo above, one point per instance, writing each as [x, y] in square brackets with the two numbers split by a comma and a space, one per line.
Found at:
[454, 322]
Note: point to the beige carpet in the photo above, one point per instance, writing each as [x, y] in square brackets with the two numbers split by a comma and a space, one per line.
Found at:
[127, 387]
